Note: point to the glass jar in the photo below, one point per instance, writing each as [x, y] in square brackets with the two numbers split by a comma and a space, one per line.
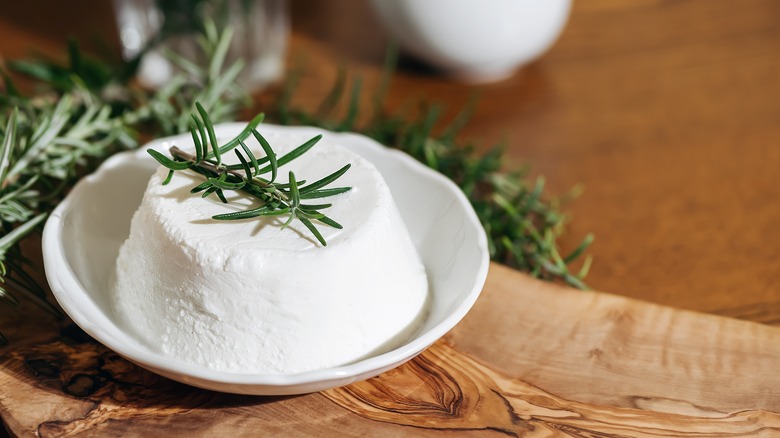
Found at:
[150, 27]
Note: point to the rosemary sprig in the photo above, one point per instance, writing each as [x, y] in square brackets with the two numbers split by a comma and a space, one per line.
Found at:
[276, 199]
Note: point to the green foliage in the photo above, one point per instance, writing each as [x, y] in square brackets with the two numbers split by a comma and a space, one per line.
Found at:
[87, 113]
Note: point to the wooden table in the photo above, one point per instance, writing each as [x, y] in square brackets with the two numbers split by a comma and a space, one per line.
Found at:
[667, 114]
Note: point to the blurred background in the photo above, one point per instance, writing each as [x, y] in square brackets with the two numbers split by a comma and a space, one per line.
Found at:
[664, 112]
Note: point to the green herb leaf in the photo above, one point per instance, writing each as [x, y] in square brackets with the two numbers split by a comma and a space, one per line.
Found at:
[248, 214]
[198, 145]
[8, 144]
[210, 130]
[222, 183]
[311, 207]
[268, 153]
[313, 230]
[201, 187]
[325, 181]
[252, 157]
[244, 134]
[295, 196]
[168, 178]
[293, 154]
[167, 162]
[244, 164]
[221, 196]
[324, 193]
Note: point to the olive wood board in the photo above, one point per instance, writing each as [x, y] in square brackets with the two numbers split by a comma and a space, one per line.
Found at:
[530, 359]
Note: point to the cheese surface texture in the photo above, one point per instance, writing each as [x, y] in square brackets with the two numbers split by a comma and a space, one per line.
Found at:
[250, 297]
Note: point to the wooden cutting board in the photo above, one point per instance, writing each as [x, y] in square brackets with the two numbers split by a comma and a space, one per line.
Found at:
[531, 359]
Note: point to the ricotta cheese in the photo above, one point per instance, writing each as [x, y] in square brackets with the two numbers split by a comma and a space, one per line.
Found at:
[249, 297]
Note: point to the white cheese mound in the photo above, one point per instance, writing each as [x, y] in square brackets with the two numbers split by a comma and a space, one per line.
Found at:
[249, 297]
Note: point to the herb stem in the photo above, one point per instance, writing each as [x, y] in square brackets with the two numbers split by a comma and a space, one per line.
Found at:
[207, 165]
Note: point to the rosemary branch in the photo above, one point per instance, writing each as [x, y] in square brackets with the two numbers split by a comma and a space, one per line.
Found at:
[276, 199]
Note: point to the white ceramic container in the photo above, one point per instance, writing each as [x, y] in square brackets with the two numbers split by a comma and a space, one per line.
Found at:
[475, 40]
[82, 237]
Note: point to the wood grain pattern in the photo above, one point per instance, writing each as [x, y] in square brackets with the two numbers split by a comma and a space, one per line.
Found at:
[447, 389]
[531, 359]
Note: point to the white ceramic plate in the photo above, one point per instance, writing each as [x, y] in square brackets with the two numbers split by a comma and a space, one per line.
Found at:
[82, 237]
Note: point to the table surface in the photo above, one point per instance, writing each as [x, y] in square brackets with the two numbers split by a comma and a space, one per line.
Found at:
[531, 359]
[664, 112]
